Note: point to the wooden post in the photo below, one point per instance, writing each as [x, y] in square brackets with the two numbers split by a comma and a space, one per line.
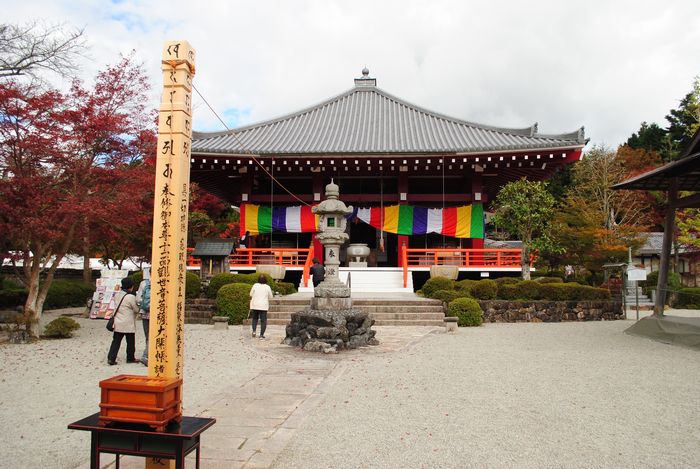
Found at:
[170, 211]
[169, 254]
[171, 199]
[666, 249]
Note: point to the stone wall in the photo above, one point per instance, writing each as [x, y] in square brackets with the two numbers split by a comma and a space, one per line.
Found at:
[550, 311]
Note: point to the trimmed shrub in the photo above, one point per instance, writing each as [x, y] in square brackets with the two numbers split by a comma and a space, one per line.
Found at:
[437, 283]
[573, 292]
[465, 285]
[283, 288]
[193, 285]
[673, 283]
[484, 290]
[61, 328]
[507, 291]
[65, 293]
[549, 280]
[506, 280]
[136, 277]
[9, 284]
[467, 310]
[218, 281]
[11, 298]
[233, 300]
[528, 290]
[448, 296]
[687, 298]
[557, 292]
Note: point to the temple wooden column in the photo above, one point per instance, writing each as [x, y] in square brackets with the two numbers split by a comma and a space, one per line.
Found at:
[317, 190]
[169, 254]
[402, 240]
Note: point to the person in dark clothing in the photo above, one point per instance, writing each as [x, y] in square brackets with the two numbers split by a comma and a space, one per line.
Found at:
[318, 272]
[244, 242]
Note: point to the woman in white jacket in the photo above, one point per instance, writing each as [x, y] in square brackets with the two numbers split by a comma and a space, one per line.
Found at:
[124, 323]
[260, 296]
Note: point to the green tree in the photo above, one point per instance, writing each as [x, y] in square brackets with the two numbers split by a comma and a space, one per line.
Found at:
[652, 138]
[524, 209]
[685, 120]
[596, 224]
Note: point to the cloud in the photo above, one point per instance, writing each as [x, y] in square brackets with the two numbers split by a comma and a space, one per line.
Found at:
[606, 65]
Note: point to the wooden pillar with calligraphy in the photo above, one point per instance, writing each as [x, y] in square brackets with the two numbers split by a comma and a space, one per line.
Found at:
[171, 199]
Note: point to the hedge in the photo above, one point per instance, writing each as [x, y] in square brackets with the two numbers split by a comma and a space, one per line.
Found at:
[506, 281]
[219, 280]
[136, 277]
[283, 288]
[11, 298]
[193, 285]
[549, 280]
[437, 283]
[465, 285]
[66, 293]
[572, 292]
[673, 283]
[467, 310]
[448, 296]
[233, 300]
[688, 298]
[484, 290]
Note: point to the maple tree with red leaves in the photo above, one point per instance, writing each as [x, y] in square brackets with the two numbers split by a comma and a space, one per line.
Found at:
[75, 167]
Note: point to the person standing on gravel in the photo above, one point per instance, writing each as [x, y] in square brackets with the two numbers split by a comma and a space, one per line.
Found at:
[124, 323]
[143, 298]
[260, 296]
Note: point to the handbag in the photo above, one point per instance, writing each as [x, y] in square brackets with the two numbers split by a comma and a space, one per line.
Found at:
[110, 323]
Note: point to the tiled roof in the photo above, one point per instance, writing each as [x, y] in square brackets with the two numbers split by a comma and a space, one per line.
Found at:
[213, 247]
[653, 243]
[367, 119]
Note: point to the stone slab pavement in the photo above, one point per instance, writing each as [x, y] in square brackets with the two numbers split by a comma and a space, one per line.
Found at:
[254, 422]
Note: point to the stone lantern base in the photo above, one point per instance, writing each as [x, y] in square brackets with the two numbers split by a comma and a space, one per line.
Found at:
[330, 331]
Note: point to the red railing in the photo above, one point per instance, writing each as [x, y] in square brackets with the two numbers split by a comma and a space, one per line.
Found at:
[290, 257]
[474, 258]
[307, 265]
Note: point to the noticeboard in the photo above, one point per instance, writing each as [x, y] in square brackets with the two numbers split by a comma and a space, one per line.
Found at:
[636, 274]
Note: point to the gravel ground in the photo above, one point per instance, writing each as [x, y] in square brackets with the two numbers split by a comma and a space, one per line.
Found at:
[502, 395]
[510, 395]
[49, 384]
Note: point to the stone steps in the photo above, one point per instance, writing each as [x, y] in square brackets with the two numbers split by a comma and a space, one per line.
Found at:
[386, 316]
[385, 312]
[200, 310]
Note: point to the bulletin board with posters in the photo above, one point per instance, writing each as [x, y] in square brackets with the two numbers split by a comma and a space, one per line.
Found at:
[109, 283]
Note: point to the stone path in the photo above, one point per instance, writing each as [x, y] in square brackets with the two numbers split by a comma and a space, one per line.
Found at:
[254, 422]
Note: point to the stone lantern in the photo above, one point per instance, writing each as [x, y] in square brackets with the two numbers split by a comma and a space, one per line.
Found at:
[331, 225]
[330, 323]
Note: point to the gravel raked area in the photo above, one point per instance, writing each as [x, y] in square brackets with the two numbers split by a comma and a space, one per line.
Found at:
[510, 395]
[502, 395]
[49, 384]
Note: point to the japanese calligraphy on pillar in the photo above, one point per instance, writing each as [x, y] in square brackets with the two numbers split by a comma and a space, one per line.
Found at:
[166, 335]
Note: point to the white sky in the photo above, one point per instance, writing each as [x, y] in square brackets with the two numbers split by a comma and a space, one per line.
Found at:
[606, 65]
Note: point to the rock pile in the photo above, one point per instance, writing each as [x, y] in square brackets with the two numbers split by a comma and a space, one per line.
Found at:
[330, 331]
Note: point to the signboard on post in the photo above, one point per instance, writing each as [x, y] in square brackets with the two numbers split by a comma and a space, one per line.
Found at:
[636, 274]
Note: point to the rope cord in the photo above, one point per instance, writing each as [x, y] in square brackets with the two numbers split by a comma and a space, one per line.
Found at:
[248, 152]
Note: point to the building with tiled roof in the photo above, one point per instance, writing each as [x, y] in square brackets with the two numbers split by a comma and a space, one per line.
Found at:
[382, 151]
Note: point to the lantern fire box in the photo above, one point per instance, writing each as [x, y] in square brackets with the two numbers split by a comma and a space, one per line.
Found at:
[147, 400]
